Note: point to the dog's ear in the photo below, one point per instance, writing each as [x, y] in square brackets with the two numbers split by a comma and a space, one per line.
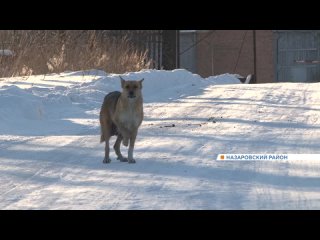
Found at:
[122, 81]
[140, 82]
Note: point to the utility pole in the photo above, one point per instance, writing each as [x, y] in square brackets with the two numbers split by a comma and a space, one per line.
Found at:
[212, 56]
[254, 57]
[177, 49]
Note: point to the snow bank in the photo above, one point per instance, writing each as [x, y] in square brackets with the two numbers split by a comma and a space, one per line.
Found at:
[224, 79]
[38, 101]
[160, 85]
[17, 104]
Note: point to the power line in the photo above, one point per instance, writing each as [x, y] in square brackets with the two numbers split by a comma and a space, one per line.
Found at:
[240, 50]
[196, 43]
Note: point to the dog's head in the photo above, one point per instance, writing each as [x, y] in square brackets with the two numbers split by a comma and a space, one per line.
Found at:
[131, 89]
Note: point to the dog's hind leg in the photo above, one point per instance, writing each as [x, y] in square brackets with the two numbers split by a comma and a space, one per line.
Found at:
[131, 147]
[116, 148]
[107, 150]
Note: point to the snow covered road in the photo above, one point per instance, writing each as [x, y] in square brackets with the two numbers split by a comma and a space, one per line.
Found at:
[51, 158]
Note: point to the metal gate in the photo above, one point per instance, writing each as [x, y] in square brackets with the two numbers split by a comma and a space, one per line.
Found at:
[298, 56]
[187, 54]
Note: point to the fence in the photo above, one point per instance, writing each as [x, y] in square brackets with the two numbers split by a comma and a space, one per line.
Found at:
[161, 45]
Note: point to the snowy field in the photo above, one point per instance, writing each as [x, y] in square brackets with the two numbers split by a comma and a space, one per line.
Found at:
[51, 158]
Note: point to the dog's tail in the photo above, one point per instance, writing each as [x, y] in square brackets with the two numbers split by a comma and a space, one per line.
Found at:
[102, 139]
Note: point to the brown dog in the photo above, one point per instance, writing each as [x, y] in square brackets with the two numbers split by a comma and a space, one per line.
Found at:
[121, 115]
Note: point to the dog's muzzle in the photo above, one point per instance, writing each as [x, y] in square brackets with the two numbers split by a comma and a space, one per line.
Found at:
[131, 94]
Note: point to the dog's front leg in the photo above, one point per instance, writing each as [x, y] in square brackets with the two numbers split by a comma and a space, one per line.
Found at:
[131, 147]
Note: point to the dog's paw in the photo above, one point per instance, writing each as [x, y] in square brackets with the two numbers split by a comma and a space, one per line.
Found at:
[106, 160]
[122, 159]
[125, 142]
[131, 161]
